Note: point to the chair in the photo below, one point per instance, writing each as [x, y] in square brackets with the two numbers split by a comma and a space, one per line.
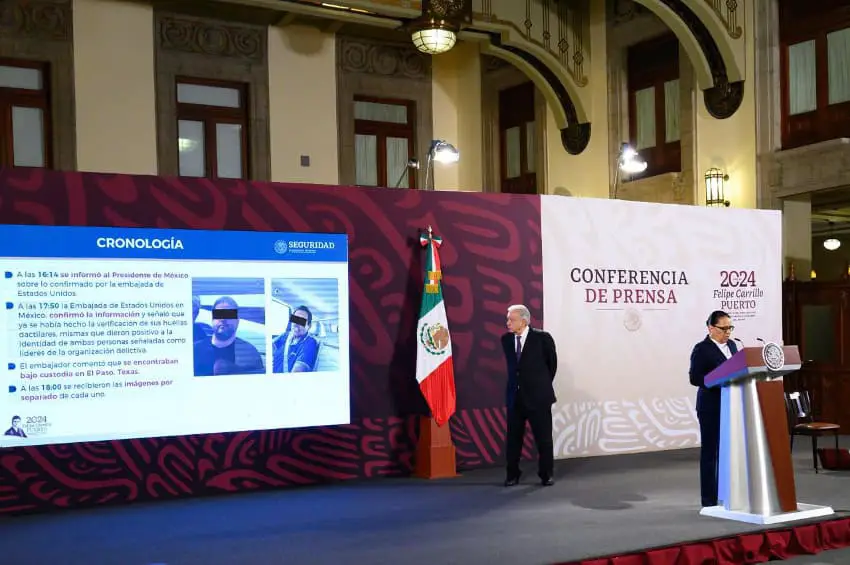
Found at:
[801, 422]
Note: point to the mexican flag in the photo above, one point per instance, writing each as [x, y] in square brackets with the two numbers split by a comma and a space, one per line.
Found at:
[434, 369]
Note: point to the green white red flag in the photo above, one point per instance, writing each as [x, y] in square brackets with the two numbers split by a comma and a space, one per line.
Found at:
[434, 368]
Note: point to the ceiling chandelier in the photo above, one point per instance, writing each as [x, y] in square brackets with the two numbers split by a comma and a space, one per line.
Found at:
[435, 31]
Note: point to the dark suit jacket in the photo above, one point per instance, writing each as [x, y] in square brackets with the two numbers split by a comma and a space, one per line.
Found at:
[706, 357]
[532, 378]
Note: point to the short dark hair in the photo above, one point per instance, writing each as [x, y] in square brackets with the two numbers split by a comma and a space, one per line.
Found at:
[715, 317]
[225, 300]
[15, 418]
[307, 310]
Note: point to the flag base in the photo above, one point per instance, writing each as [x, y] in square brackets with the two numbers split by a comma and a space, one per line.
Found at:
[435, 452]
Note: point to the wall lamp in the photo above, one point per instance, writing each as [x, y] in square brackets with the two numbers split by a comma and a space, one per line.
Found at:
[715, 187]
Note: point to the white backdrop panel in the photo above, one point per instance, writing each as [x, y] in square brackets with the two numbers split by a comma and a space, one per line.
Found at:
[627, 289]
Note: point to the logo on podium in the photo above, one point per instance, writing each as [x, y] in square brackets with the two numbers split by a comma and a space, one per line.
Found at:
[773, 356]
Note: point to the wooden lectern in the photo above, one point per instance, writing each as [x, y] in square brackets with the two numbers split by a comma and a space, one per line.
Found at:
[756, 473]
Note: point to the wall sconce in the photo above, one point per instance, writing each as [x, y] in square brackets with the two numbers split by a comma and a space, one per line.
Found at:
[715, 187]
[813, 275]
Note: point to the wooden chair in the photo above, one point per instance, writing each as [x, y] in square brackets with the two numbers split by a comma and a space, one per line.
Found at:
[801, 422]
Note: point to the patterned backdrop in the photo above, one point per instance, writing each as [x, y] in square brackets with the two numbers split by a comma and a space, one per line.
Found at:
[491, 258]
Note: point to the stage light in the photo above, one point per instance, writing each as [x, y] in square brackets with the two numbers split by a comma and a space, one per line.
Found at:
[441, 152]
[630, 162]
[445, 152]
[715, 187]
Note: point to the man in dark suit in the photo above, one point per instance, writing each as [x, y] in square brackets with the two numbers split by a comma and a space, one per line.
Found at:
[706, 356]
[532, 362]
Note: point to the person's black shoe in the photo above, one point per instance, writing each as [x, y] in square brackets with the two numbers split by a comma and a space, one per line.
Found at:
[547, 481]
[511, 481]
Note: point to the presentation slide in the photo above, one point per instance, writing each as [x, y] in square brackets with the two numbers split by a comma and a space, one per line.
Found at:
[119, 333]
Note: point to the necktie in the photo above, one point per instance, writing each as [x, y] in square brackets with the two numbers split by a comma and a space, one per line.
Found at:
[518, 347]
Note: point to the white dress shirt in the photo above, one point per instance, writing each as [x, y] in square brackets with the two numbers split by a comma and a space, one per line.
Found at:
[724, 348]
[522, 338]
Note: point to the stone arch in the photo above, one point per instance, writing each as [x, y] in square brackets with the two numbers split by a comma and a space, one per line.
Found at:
[561, 93]
[703, 38]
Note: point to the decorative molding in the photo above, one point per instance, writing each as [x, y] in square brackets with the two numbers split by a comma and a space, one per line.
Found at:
[46, 20]
[211, 38]
[575, 137]
[624, 11]
[560, 28]
[727, 11]
[820, 166]
[724, 98]
[384, 59]
[210, 49]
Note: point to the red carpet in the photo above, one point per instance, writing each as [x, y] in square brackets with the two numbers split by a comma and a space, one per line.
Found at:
[758, 547]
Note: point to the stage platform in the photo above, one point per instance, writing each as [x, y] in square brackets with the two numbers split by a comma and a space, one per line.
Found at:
[599, 506]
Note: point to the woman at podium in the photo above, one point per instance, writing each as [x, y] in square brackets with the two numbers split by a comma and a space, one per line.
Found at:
[706, 356]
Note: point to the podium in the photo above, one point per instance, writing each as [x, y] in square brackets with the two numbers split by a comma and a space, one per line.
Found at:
[756, 473]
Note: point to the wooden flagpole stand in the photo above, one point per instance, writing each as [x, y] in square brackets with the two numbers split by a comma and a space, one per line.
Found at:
[435, 452]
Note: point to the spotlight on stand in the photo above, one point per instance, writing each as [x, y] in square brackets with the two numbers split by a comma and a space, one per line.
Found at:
[412, 164]
[441, 152]
[629, 162]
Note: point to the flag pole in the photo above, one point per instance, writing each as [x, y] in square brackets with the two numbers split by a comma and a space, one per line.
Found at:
[435, 450]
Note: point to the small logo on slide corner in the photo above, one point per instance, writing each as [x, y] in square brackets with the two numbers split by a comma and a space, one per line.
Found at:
[773, 356]
[280, 247]
[434, 337]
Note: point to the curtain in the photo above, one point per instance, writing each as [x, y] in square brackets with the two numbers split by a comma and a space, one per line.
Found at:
[228, 148]
[802, 78]
[366, 160]
[531, 146]
[513, 152]
[838, 49]
[397, 157]
[377, 112]
[645, 118]
[672, 110]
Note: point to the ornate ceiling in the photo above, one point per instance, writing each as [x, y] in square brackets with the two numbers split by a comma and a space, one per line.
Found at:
[550, 41]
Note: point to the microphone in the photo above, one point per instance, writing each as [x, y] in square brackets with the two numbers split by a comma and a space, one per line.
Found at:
[759, 339]
[739, 341]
